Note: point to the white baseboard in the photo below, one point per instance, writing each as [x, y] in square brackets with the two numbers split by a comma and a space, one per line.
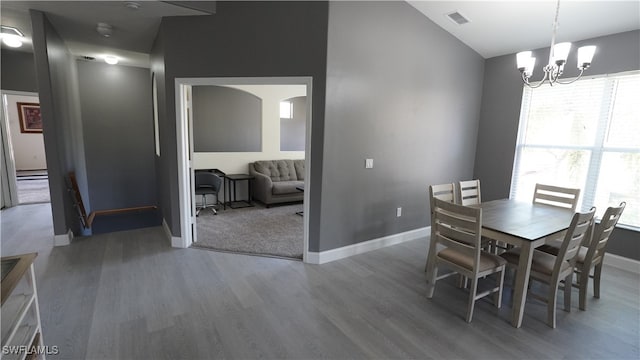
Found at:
[622, 262]
[359, 248]
[176, 241]
[63, 240]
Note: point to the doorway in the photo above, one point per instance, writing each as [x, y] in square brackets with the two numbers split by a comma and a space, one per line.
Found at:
[23, 152]
[186, 164]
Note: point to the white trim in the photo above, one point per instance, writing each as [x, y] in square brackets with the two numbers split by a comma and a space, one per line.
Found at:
[622, 262]
[366, 246]
[175, 241]
[63, 240]
[184, 198]
[182, 133]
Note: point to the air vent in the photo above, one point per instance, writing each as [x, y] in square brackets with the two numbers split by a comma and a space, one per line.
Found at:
[458, 18]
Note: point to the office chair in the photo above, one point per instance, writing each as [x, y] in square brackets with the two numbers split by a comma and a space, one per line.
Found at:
[207, 183]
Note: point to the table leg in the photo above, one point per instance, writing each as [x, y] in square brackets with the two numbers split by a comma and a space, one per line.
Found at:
[522, 283]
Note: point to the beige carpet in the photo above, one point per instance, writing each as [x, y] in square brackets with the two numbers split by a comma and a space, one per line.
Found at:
[275, 231]
[33, 190]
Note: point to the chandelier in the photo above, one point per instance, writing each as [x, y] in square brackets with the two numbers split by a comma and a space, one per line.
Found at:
[558, 54]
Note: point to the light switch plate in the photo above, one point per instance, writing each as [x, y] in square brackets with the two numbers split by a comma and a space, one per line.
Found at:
[368, 163]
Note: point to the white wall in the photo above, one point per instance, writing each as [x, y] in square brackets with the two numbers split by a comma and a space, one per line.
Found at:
[28, 149]
[238, 162]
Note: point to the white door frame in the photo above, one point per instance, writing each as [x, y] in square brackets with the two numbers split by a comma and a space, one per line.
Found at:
[10, 192]
[184, 137]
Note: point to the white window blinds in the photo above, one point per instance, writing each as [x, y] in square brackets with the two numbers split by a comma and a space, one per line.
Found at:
[584, 135]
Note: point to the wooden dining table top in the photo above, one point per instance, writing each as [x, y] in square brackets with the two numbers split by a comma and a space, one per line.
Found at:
[524, 220]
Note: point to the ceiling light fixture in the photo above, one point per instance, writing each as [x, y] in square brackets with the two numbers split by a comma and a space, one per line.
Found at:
[110, 59]
[558, 54]
[12, 37]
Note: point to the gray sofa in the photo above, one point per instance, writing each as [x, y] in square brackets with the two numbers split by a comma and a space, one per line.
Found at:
[276, 180]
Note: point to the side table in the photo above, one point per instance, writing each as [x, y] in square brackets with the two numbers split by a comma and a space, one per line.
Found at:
[231, 181]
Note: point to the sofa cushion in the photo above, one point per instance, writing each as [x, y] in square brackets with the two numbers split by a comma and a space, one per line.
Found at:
[277, 170]
[299, 166]
[286, 187]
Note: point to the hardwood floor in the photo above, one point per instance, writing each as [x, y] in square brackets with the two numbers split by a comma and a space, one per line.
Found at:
[129, 295]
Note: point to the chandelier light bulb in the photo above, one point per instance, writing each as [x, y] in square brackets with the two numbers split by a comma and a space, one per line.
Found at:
[585, 55]
[522, 59]
[561, 52]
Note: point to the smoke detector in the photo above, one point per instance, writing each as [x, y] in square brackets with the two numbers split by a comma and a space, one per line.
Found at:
[104, 29]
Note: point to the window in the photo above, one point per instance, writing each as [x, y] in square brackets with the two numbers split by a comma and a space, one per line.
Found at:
[286, 110]
[585, 135]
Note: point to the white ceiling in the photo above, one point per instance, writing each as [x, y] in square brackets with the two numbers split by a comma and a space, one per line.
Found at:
[133, 30]
[506, 27]
[496, 27]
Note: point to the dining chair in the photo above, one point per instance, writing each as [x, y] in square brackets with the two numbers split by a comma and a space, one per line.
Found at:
[550, 269]
[457, 230]
[469, 192]
[591, 257]
[556, 196]
[445, 192]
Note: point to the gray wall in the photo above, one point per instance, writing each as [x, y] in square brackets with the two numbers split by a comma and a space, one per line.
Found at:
[165, 191]
[243, 39]
[61, 120]
[406, 93]
[18, 71]
[292, 131]
[501, 100]
[118, 136]
[226, 120]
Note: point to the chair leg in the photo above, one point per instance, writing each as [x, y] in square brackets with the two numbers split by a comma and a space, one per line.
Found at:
[472, 298]
[551, 305]
[431, 267]
[567, 292]
[596, 280]
[463, 281]
[500, 283]
[583, 287]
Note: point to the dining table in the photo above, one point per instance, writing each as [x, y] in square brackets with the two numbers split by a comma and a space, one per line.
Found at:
[525, 225]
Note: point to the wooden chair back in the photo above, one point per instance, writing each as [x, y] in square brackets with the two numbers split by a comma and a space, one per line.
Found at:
[556, 196]
[469, 192]
[580, 230]
[445, 192]
[602, 233]
[459, 228]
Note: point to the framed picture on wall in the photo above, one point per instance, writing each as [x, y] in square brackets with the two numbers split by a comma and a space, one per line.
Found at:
[29, 116]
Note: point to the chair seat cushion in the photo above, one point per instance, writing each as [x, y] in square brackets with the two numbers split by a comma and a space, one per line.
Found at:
[487, 260]
[286, 187]
[552, 247]
[542, 262]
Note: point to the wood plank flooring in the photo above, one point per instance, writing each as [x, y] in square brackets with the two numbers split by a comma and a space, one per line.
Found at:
[129, 295]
